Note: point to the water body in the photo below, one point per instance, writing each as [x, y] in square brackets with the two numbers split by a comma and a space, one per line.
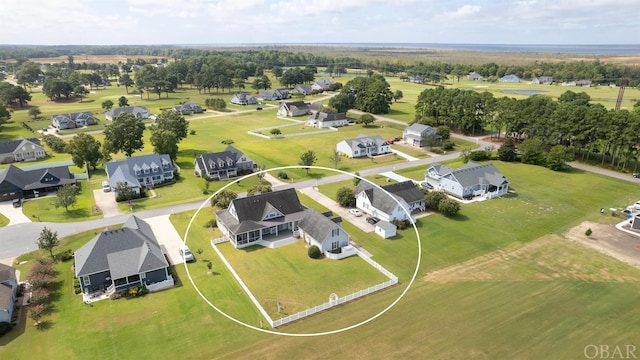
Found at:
[543, 48]
[524, 92]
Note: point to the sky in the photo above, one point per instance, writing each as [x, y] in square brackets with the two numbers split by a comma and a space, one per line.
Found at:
[189, 22]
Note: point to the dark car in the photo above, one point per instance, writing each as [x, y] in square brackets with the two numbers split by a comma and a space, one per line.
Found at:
[258, 108]
[17, 203]
[372, 220]
[636, 175]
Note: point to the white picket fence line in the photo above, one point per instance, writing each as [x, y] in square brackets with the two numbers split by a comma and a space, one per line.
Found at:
[161, 285]
[379, 267]
[219, 240]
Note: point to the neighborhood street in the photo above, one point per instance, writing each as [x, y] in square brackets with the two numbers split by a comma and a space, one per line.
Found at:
[20, 237]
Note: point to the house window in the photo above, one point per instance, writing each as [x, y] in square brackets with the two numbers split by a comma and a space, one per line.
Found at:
[334, 245]
[335, 232]
[146, 171]
[86, 281]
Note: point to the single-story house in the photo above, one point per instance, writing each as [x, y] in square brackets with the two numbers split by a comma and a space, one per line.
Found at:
[21, 150]
[261, 217]
[243, 98]
[469, 180]
[418, 134]
[8, 292]
[322, 84]
[73, 120]
[294, 108]
[188, 108]
[323, 120]
[273, 95]
[385, 229]
[223, 165]
[137, 171]
[583, 83]
[304, 89]
[16, 183]
[373, 201]
[116, 260]
[323, 231]
[474, 76]
[510, 78]
[542, 80]
[140, 112]
[417, 79]
[363, 146]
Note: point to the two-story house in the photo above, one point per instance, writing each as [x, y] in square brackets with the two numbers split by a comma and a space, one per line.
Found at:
[138, 171]
[222, 165]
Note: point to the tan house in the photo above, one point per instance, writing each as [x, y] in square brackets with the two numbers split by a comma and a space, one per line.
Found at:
[21, 150]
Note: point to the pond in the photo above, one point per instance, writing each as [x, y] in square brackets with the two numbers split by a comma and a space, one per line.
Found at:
[524, 92]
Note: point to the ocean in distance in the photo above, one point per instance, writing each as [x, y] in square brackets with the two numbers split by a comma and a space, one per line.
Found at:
[543, 48]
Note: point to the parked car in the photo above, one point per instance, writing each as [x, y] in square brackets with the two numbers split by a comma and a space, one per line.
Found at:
[372, 220]
[636, 175]
[258, 108]
[17, 203]
[425, 184]
[105, 186]
[355, 212]
[186, 254]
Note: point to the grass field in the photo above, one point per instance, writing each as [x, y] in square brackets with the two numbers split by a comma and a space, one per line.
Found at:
[44, 209]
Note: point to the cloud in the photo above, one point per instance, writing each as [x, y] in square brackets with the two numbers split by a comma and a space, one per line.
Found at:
[463, 12]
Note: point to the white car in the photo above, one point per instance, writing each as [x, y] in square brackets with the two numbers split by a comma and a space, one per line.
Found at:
[355, 212]
[186, 253]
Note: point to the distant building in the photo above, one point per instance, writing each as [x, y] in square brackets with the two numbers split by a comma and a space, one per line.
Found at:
[140, 112]
[323, 120]
[474, 76]
[188, 108]
[243, 98]
[510, 78]
[363, 146]
[73, 120]
[223, 165]
[542, 80]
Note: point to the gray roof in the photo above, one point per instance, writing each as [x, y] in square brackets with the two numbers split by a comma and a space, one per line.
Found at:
[10, 146]
[230, 153]
[323, 116]
[405, 190]
[472, 174]
[7, 273]
[38, 178]
[423, 130]
[317, 225]
[5, 297]
[123, 170]
[304, 87]
[130, 250]
[441, 169]
[363, 141]
[135, 110]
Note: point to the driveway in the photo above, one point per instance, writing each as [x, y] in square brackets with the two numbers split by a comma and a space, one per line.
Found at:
[14, 215]
[106, 201]
[168, 238]
[344, 213]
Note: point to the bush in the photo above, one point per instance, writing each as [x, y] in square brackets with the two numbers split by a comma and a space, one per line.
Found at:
[478, 155]
[55, 143]
[449, 207]
[137, 291]
[5, 327]
[588, 232]
[227, 142]
[346, 197]
[115, 296]
[283, 175]
[211, 224]
[66, 255]
[401, 224]
[314, 252]
[76, 286]
[192, 132]
[433, 198]
[448, 145]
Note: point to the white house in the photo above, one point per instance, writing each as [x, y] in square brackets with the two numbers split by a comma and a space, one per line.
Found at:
[510, 78]
[375, 202]
[8, 292]
[294, 108]
[474, 76]
[323, 231]
[72, 120]
[418, 134]
[468, 181]
[542, 80]
[323, 120]
[243, 98]
[188, 108]
[138, 171]
[140, 112]
[322, 84]
[223, 165]
[363, 146]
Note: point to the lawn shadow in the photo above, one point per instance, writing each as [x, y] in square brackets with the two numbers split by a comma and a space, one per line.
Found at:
[16, 330]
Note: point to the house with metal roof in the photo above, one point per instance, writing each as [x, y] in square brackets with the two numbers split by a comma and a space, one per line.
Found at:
[119, 259]
[418, 135]
[16, 183]
[364, 146]
[373, 201]
[21, 150]
[138, 171]
[223, 165]
[468, 181]
[8, 292]
[73, 120]
[140, 112]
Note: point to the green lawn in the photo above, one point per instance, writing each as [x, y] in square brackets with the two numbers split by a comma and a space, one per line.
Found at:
[289, 276]
[4, 221]
[43, 209]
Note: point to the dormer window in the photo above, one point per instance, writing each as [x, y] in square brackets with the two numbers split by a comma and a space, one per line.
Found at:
[137, 171]
[230, 163]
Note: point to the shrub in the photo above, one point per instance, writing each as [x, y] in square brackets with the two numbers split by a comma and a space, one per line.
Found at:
[66, 255]
[209, 265]
[137, 291]
[211, 224]
[55, 143]
[192, 132]
[433, 198]
[401, 224]
[449, 207]
[588, 232]
[227, 142]
[314, 252]
[5, 327]
[448, 145]
[478, 155]
[76, 286]
[283, 175]
[346, 197]
[40, 296]
[115, 296]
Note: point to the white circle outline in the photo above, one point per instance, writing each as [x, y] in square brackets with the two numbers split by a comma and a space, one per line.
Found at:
[272, 332]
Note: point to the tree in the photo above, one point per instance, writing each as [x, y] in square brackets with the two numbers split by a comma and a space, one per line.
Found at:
[336, 157]
[314, 252]
[433, 198]
[35, 112]
[125, 80]
[5, 115]
[124, 134]
[367, 119]
[356, 180]
[308, 159]
[54, 143]
[216, 103]
[223, 199]
[531, 151]
[84, 150]
[167, 132]
[164, 142]
[277, 71]
[558, 157]
[275, 132]
[346, 197]
[107, 105]
[444, 132]
[507, 151]
[66, 196]
[260, 188]
[80, 91]
[369, 94]
[448, 207]
[124, 192]
[122, 101]
[398, 95]
[48, 240]
[341, 102]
